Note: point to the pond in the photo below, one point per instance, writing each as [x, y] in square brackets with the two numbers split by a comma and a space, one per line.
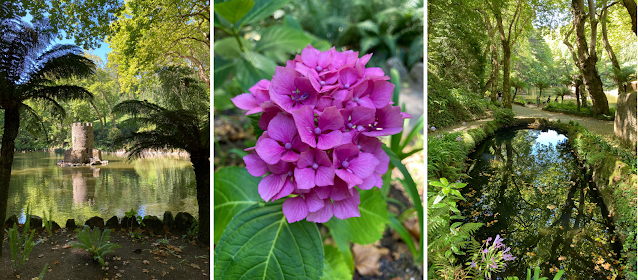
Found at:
[150, 186]
[527, 186]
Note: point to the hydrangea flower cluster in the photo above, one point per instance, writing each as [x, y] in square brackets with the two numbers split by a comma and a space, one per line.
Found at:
[322, 115]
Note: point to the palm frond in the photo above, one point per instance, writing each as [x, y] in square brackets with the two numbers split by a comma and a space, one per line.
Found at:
[61, 92]
[57, 66]
[32, 121]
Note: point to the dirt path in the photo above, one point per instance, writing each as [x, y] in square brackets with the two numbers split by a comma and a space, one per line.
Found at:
[597, 126]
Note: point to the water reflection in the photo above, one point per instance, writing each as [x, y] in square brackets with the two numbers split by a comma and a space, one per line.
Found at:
[527, 186]
[150, 186]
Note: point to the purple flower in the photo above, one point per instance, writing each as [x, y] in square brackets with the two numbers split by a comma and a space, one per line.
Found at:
[280, 183]
[473, 264]
[464, 123]
[508, 257]
[371, 94]
[497, 242]
[432, 128]
[351, 165]
[322, 115]
[291, 91]
[325, 133]
[459, 138]
[388, 121]
[314, 168]
[282, 143]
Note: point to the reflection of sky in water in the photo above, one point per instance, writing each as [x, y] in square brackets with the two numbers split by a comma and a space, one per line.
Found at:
[550, 136]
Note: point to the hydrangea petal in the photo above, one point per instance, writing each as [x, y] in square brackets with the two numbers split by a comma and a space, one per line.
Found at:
[324, 176]
[270, 185]
[295, 209]
[286, 190]
[255, 165]
[282, 128]
[330, 140]
[363, 165]
[314, 202]
[246, 101]
[305, 178]
[269, 150]
[322, 215]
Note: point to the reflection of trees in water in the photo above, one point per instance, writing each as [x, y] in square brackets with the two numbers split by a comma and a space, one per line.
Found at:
[165, 185]
[537, 197]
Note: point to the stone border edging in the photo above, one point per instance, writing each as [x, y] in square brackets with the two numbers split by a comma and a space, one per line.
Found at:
[182, 223]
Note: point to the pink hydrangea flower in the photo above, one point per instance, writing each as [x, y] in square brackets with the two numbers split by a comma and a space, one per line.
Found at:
[322, 115]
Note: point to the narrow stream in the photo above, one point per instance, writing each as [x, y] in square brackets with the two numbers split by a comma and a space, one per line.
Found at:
[527, 186]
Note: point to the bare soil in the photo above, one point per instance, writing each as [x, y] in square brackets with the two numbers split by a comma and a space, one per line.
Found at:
[145, 257]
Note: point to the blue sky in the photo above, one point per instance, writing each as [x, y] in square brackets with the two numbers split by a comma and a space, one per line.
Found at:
[101, 51]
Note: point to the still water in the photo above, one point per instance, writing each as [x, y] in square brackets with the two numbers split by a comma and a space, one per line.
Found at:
[527, 186]
[150, 186]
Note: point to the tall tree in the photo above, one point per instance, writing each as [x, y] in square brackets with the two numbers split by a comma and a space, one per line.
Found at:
[586, 53]
[516, 21]
[161, 32]
[176, 129]
[631, 9]
[608, 48]
[88, 21]
[30, 69]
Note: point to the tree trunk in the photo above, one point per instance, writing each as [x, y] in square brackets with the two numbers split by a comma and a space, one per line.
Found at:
[98, 115]
[631, 9]
[578, 97]
[515, 91]
[507, 96]
[201, 164]
[610, 51]
[11, 128]
[587, 58]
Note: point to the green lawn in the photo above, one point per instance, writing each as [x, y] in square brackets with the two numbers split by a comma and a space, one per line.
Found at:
[531, 96]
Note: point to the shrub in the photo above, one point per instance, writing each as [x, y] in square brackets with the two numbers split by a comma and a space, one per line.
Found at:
[504, 116]
[95, 242]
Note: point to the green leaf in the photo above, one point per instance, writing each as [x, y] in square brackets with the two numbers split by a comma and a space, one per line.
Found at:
[222, 100]
[368, 25]
[235, 190]
[344, 248]
[223, 68]
[418, 127]
[234, 10]
[262, 9]
[559, 274]
[337, 267]
[368, 43]
[229, 48]
[369, 227]
[408, 184]
[290, 21]
[260, 244]
[283, 39]
[251, 68]
[400, 229]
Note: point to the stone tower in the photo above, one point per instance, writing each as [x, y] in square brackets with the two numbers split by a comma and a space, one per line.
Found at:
[82, 151]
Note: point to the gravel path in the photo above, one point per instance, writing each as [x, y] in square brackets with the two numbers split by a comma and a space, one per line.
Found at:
[597, 126]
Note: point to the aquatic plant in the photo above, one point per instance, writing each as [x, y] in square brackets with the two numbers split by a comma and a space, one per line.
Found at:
[94, 241]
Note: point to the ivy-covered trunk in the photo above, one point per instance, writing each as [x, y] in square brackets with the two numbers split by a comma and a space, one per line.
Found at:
[11, 127]
[201, 164]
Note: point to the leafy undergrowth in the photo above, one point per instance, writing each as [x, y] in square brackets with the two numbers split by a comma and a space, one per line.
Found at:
[570, 108]
[149, 257]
